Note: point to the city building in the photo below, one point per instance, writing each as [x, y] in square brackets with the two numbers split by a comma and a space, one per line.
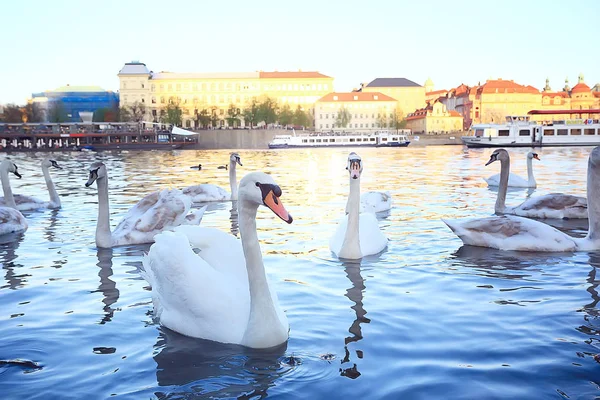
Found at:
[435, 118]
[65, 103]
[217, 92]
[355, 111]
[410, 96]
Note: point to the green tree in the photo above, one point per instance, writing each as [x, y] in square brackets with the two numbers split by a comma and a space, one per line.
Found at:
[302, 118]
[251, 113]
[125, 114]
[33, 112]
[214, 116]
[12, 114]
[267, 111]
[138, 111]
[233, 115]
[286, 115]
[343, 118]
[173, 114]
[57, 112]
[202, 118]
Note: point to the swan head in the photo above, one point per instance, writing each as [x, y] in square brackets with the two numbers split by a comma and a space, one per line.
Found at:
[532, 155]
[355, 166]
[498, 155]
[235, 158]
[47, 163]
[97, 172]
[261, 189]
[10, 166]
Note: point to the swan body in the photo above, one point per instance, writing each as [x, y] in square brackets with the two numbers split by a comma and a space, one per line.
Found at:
[515, 180]
[209, 192]
[12, 221]
[357, 235]
[208, 284]
[153, 214]
[510, 232]
[23, 202]
[554, 205]
[375, 202]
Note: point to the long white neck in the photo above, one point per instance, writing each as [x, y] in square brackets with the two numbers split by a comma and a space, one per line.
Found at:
[530, 177]
[54, 198]
[233, 180]
[593, 196]
[264, 327]
[351, 245]
[103, 235]
[501, 199]
[9, 199]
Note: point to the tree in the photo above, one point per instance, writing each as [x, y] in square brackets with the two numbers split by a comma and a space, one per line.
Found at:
[138, 111]
[286, 115]
[202, 118]
[57, 112]
[343, 118]
[382, 118]
[267, 111]
[398, 121]
[173, 114]
[251, 113]
[302, 118]
[125, 114]
[12, 114]
[214, 117]
[33, 112]
[233, 115]
[493, 116]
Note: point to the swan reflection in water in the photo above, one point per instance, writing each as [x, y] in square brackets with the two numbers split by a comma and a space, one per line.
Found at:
[8, 253]
[355, 294]
[107, 287]
[201, 367]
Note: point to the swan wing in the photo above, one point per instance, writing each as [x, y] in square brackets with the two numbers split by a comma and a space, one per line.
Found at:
[553, 205]
[26, 203]
[509, 232]
[155, 213]
[513, 180]
[372, 240]
[375, 202]
[206, 192]
[12, 221]
[190, 295]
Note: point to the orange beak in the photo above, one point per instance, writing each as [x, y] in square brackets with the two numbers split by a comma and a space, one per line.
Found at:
[274, 203]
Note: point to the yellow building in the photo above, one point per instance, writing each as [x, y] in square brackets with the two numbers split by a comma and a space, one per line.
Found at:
[434, 119]
[410, 96]
[366, 111]
[217, 91]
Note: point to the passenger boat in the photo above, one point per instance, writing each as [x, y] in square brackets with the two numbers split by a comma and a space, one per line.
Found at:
[520, 131]
[342, 139]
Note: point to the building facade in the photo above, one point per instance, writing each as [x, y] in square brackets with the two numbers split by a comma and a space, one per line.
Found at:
[217, 92]
[67, 102]
[410, 96]
[435, 118]
[364, 111]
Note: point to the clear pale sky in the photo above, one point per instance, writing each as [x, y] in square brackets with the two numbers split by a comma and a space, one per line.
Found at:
[47, 44]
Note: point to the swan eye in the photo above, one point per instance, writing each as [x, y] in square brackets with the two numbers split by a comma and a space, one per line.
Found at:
[257, 184]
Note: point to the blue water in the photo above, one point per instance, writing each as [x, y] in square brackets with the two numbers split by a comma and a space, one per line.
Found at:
[426, 319]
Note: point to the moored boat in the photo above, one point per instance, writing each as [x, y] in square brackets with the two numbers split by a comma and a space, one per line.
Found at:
[342, 139]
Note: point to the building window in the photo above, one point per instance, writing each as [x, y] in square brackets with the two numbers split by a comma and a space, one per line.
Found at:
[143, 87]
[153, 100]
[162, 100]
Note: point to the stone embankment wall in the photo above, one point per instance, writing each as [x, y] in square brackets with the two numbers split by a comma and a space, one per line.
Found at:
[260, 138]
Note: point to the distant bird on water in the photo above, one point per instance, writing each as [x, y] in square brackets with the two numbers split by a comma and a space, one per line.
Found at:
[198, 167]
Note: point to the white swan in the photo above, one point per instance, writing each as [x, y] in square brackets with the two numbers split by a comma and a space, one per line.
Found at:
[515, 180]
[210, 192]
[375, 202]
[357, 235]
[208, 284]
[26, 203]
[522, 234]
[553, 205]
[12, 221]
[153, 214]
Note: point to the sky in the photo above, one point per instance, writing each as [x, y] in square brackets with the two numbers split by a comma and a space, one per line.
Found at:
[48, 44]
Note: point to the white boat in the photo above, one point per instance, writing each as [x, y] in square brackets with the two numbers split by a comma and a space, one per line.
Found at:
[342, 139]
[520, 131]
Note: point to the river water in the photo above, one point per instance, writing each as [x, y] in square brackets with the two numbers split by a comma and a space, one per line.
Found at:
[425, 319]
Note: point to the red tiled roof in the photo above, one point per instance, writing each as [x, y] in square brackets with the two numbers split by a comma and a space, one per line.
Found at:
[355, 96]
[502, 86]
[597, 94]
[292, 74]
[455, 113]
[433, 93]
[581, 87]
[555, 94]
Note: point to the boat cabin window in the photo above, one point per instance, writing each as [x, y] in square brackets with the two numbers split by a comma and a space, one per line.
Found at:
[359, 140]
[563, 132]
[311, 140]
[394, 138]
[352, 139]
[304, 141]
[588, 131]
[372, 139]
[318, 140]
[576, 132]
[503, 132]
[524, 132]
[384, 139]
[478, 132]
[548, 132]
[331, 140]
